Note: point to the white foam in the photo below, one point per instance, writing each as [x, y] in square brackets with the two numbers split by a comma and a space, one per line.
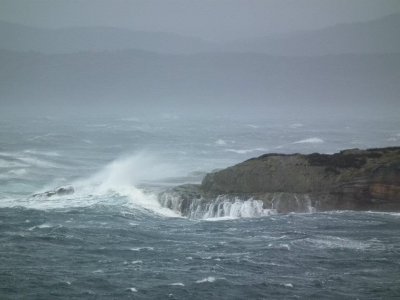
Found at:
[395, 214]
[115, 182]
[332, 242]
[45, 225]
[220, 142]
[313, 140]
[142, 248]
[41, 226]
[296, 125]
[135, 262]
[18, 173]
[34, 161]
[27, 158]
[11, 164]
[220, 218]
[207, 279]
[223, 209]
[284, 246]
[252, 126]
[43, 153]
[121, 177]
[132, 289]
[245, 151]
[289, 285]
[177, 284]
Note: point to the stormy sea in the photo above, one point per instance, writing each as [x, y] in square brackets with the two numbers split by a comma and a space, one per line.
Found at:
[113, 239]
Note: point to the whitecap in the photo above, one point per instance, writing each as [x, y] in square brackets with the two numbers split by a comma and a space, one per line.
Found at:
[132, 289]
[313, 140]
[135, 262]
[177, 284]
[220, 142]
[4, 163]
[245, 151]
[121, 177]
[226, 209]
[41, 163]
[252, 126]
[332, 242]
[45, 225]
[285, 246]
[296, 125]
[43, 153]
[207, 279]
[41, 226]
[18, 173]
[142, 248]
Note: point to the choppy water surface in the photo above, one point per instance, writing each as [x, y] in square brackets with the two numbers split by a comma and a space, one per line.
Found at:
[113, 239]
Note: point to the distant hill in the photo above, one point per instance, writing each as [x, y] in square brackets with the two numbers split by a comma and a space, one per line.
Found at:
[17, 37]
[376, 36]
[217, 81]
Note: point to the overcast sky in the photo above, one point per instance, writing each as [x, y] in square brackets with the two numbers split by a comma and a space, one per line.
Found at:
[209, 19]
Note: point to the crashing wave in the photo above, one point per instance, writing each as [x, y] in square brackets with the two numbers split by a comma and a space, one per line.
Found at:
[60, 191]
[195, 207]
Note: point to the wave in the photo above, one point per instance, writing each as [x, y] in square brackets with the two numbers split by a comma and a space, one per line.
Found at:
[115, 184]
[296, 125]
[27, 158]
[220, 142]
[207, 279]
[252, 126]
[245, 151]
[313, 140]
[14, 174]
[5, 163]
[333, 242]
[42, 153]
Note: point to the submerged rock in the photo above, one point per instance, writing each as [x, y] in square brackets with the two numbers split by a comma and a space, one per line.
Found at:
[349, 180]
[60, 191]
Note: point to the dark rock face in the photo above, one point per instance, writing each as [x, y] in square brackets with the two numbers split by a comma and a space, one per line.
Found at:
[60, 191]
[349, 180]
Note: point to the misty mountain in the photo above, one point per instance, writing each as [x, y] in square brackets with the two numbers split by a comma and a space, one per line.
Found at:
[17, 37]
[376, 36]
[220, 82]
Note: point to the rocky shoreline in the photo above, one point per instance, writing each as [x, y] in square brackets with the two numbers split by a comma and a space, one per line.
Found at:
[349, 180]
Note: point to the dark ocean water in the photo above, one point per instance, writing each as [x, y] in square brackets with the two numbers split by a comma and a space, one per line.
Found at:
[108, 253]
[112, 239]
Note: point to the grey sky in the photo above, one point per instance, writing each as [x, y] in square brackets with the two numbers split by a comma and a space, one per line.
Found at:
[209, 19]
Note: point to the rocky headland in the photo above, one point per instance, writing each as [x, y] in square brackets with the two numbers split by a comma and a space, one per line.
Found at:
[349, 180]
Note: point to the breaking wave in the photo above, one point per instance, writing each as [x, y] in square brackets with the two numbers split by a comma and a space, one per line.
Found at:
[245, 151]
[313, 140]
[222, 207]
[115, 184]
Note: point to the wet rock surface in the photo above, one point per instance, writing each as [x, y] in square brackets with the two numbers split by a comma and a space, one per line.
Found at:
[349, 180]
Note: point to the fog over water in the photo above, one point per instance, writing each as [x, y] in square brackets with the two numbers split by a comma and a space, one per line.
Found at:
[105, 104]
